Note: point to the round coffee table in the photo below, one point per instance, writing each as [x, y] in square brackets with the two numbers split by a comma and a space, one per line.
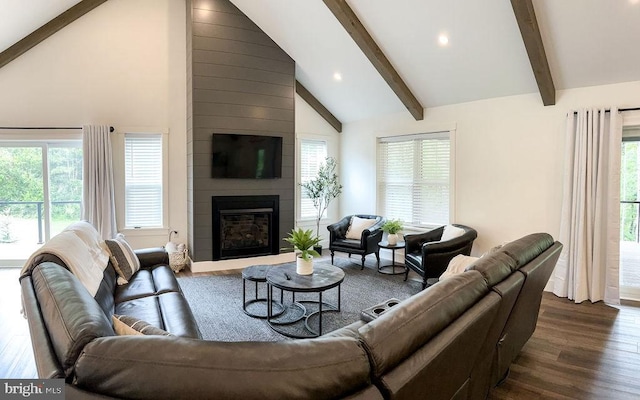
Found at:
[391, 268]
[256, 274]
[285, 278]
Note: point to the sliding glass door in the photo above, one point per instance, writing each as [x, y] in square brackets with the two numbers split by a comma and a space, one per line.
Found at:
[40, 194]
[630, 215]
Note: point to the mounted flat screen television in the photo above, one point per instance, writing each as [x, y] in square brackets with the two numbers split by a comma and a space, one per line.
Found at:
[246, 156]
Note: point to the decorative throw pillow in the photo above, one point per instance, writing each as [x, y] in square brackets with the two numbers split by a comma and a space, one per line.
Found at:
[457, 265]
[492, 250]
[451, 232]
[123, 258]
[125, 325]
[357, 226]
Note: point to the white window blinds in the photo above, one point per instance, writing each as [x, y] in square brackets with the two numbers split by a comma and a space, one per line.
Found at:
[312, 154]
[143, 180]
[414, 178]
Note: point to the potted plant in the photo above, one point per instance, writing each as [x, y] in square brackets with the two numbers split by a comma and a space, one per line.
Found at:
[303, 241]
[392, 227]
[322, 190]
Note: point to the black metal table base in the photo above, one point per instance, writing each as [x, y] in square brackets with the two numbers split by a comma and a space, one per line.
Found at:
[292, 313]
[257, 308]
[252, 307]
[391, 269]
[280, 324]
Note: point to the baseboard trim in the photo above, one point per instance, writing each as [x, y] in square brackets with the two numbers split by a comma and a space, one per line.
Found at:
[240, 263]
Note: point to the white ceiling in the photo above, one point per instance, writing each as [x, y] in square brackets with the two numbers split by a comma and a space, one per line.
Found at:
[588, 42]
[18, 18]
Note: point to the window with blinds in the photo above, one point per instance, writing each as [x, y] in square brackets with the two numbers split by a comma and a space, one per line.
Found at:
[312, 155]
[143, 180]
[414, 178]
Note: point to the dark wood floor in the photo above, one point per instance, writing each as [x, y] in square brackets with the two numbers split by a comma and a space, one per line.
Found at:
[579, 351]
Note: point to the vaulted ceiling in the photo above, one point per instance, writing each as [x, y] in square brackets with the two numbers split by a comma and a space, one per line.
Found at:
[587, 43]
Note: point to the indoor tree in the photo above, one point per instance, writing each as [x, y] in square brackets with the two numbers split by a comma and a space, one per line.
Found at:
[323, 189]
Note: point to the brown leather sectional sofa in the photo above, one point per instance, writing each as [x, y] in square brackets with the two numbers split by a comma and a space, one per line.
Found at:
[453, 340]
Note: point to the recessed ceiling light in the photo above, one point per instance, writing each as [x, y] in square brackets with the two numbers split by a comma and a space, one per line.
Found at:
[443, 39]
[634, 1]
[337, 76]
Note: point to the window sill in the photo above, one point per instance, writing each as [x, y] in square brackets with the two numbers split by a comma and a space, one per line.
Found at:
[133, 232]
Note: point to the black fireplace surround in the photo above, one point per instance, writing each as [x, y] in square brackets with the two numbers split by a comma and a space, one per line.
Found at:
[245, 226]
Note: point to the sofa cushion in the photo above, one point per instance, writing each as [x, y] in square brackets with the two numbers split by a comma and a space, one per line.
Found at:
[528, 247]
[494, 267]
[73, 318]
[177, 317]
[123, 258]
[400, 332]
[148, 282]
[173, 368]
[139, 285]
[347, 243]
[169, 311]
[125, 325]
[143, 308]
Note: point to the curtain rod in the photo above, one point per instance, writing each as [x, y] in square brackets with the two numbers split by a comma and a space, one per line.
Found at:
[111, 129]
[619, 110]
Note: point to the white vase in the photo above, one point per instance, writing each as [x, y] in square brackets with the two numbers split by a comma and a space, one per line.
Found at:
[304, 267]
[392, 238]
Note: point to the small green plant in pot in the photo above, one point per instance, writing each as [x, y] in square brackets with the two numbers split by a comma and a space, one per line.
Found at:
[303, 241]
[392, 227]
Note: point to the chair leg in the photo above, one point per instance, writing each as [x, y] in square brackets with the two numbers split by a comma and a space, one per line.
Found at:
[406, 273]
[424, 283]
[363, 256]
[378, 258]
[332, 257]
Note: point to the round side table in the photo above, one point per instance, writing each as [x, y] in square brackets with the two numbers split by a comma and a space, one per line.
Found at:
[391, 268]
[257, 307]
[285, 278]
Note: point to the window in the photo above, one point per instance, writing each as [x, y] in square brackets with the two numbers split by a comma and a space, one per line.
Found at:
[40, 193]
[312, 155]
[143, 181]
[414, 178]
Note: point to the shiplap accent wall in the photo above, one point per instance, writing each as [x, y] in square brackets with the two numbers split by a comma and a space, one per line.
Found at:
[239, 81]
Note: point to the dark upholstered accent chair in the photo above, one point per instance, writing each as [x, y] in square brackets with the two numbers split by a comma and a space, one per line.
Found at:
[429, 257]
[367, 244]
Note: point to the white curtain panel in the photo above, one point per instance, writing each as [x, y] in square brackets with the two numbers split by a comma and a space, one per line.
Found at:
[98, 199]
[588, 268]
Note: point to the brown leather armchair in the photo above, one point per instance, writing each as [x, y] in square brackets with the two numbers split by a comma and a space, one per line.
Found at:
[367, 244]
[429, 257]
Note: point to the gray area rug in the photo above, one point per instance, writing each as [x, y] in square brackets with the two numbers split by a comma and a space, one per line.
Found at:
[216, 302]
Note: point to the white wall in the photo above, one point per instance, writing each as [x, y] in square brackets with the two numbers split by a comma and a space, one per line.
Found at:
[509, 158]
[310, 125]
[122, 64]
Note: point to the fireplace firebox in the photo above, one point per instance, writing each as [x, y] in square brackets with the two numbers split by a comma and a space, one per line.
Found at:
[245, 226]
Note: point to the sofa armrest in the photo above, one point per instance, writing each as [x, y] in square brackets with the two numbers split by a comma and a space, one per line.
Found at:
[460, 245]
[414, 242]
[152, 256]
[338, 229]
[372, 236]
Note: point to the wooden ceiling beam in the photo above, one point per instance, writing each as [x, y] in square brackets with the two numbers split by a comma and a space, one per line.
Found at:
[318, 107]
[363, 39]
[48, 29]
[530, 31]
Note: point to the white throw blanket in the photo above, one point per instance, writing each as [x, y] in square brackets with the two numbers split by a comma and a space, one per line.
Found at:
[82, 249]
